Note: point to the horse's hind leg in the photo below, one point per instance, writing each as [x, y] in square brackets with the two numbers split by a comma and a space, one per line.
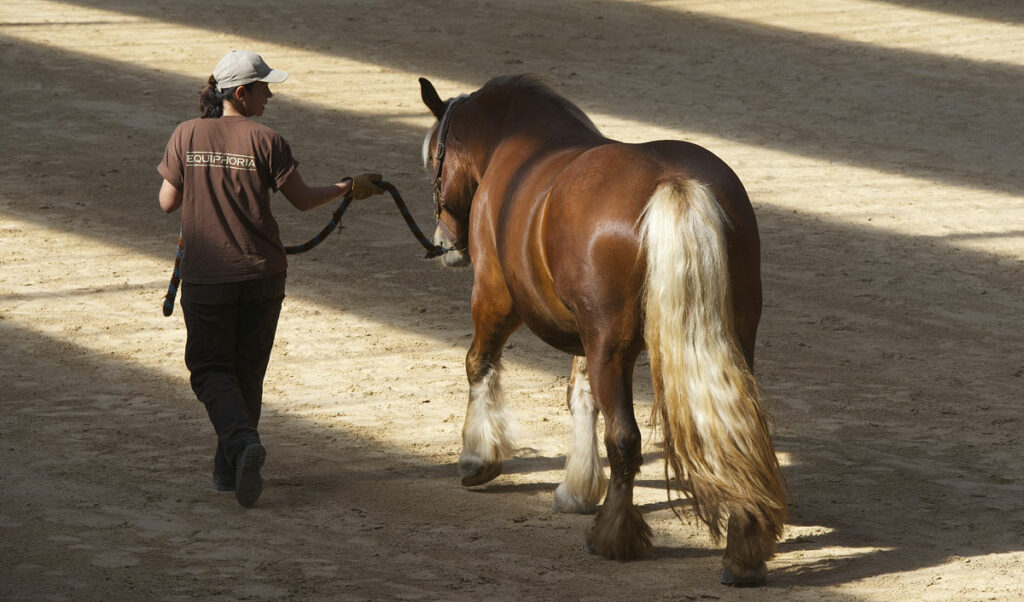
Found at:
[749, 543]
[619, 531]
[585, 481]
[486, 439]
[748, 546]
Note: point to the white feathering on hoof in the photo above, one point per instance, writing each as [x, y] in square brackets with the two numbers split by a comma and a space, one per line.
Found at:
[487, 432]
[585, 482]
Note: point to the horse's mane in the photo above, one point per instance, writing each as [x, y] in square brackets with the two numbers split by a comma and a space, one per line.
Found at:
[539, 86]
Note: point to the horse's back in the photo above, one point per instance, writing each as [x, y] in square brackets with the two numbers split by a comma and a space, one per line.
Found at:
[631, 172]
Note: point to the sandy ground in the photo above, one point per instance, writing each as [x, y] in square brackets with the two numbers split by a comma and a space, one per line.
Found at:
[881, 143]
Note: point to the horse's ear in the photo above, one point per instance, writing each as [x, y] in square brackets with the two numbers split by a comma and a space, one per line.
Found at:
[431, 98]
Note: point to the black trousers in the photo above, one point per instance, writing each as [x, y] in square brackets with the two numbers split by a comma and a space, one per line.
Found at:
[231, 330]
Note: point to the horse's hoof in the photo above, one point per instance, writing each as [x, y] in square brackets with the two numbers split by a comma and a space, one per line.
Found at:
[755, 579]
[479, 474]
[626, 537]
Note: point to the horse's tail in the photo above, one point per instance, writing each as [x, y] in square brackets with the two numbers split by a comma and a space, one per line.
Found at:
[716, 432]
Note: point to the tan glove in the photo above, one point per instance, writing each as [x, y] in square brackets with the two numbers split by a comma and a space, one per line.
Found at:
[365, 185]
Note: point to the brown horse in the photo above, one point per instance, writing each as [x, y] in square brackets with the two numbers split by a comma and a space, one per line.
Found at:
[602, 249]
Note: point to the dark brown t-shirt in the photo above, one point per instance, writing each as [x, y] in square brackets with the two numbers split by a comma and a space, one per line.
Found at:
[226, 169]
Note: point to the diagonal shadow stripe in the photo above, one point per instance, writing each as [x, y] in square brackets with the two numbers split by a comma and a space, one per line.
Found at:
[993, 10]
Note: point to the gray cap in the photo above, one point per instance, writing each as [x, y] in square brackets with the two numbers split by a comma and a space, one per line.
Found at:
[240, 67]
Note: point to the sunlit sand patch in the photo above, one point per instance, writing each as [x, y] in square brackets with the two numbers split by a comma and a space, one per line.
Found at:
[122, 293]
[801, 549]
[196, 50]
[878, 24]
[797, 561]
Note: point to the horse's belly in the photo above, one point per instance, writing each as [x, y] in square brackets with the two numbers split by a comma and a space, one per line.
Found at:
[553, 323]
[561, 339]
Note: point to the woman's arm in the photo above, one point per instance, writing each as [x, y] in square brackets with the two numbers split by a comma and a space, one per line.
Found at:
[170, 197]
[305, 198]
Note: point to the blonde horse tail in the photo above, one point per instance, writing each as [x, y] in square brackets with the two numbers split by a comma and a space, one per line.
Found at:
[715, 428]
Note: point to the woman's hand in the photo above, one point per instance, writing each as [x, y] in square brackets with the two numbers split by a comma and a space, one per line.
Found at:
[365, 185]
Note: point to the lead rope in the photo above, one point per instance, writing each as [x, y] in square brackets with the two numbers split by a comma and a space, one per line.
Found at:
[432, 249]
[172, 289]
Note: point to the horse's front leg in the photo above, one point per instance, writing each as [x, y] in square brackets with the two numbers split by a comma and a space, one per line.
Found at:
[486, 437]
[619, 531]
[585, 481]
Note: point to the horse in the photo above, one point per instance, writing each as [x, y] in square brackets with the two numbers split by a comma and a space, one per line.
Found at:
[602, 249]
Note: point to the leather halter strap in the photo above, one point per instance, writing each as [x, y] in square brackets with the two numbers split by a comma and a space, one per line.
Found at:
[439, 152]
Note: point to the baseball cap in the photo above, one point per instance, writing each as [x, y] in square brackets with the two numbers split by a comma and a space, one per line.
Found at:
[240, 67]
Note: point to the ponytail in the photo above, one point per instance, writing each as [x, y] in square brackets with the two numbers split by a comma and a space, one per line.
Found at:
[211, 98]
[211, 101]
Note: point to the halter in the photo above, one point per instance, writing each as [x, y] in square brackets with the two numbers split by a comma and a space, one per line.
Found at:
[442, 134]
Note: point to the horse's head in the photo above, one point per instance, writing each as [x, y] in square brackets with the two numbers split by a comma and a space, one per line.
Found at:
[453, 177]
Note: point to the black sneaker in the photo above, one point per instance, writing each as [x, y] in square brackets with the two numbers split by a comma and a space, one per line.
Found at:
[223, 471]
[224, 480]
[248, 482]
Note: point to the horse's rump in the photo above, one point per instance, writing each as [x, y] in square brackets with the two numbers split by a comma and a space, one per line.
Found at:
[591, 217]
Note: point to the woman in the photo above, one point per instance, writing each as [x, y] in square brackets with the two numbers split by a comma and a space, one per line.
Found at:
[220, 170]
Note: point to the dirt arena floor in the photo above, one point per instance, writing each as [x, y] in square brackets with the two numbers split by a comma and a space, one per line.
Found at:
[880, 141]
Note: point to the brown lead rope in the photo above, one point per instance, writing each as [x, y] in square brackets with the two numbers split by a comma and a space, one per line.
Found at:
[432, 249]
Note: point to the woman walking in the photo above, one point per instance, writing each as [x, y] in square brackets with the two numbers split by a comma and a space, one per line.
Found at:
[219, 169]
